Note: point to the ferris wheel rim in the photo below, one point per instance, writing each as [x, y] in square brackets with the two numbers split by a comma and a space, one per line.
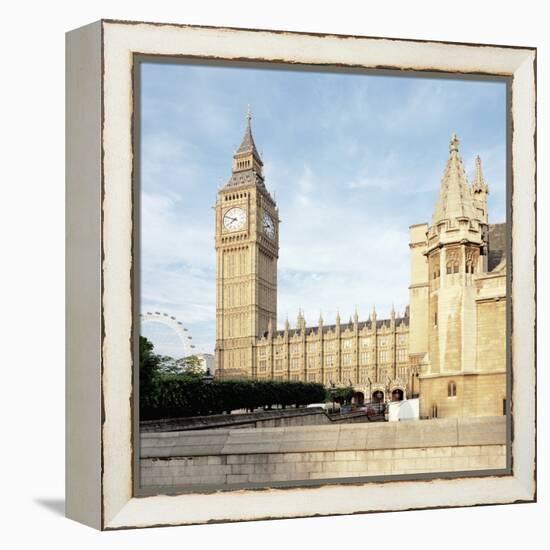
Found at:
[172, 322]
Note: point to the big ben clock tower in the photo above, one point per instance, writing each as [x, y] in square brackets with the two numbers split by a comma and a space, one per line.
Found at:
[247, 248]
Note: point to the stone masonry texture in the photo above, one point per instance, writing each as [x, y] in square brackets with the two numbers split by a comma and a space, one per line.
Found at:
[227, 457]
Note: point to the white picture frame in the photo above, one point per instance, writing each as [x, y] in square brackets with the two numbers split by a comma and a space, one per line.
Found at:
[99, 390]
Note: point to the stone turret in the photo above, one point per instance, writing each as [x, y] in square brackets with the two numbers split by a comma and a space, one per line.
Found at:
[455, 245]
[480, 190]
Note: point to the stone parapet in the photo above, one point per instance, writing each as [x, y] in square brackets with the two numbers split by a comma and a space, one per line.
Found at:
[322, 452]
[301, 439]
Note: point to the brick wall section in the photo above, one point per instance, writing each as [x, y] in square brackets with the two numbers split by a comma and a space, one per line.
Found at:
[321, 452]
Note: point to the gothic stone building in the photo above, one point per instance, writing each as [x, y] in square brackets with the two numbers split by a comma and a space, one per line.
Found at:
[449, 345]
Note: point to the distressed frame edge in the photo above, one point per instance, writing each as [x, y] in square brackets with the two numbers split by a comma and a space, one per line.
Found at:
[137, 60]
[525, 491]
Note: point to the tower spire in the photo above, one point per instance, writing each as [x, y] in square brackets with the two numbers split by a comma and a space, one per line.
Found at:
[479, 182]
[247, 163]
[247, 145]
[480, 190]
[455, 199]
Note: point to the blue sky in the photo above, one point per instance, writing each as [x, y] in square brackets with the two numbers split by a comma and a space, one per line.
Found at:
[351, 159]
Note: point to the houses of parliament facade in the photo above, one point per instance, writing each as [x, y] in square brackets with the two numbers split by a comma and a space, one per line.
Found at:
[449, 345]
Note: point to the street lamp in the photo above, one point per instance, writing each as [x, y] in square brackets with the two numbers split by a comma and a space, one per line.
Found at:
[207, 377]
[370, 389]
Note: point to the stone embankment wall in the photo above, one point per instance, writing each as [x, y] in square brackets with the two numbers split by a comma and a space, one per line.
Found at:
[265, 419]
[266, 455]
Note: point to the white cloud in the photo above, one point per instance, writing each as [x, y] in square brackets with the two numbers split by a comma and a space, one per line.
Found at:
[169, 237]
[333, 257]
[178, 265]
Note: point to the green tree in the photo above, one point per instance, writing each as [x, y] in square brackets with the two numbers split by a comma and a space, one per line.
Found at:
[341, 395]
[169, 365]
[183, 395]
[192, 366]
[149, 374]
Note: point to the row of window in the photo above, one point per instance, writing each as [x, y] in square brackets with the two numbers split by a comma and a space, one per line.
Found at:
[328, 378]
[243, 164]
[452, 267]
[235, 196]
[295, 349]
[365, 357]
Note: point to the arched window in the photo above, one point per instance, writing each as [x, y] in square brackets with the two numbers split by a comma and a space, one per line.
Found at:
[471, 258]
[452, 262]
[451, 389]
[452, 267]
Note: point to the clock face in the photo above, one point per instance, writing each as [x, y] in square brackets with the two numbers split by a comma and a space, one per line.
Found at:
[268, 225]
[234, 219]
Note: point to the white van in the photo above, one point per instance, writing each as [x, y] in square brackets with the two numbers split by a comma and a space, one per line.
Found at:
[317, 406]
[324, 406]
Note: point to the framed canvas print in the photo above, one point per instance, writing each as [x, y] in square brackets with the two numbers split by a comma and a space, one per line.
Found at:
[300, 274]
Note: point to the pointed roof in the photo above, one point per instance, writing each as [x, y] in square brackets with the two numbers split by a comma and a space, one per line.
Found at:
[247, 173]
[479, 183]
[455, 199]
[247, 145]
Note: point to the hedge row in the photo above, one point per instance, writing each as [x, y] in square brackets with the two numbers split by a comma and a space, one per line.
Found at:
[176, 396]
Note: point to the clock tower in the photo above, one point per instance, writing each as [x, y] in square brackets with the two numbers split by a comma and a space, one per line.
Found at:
[247, 249]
